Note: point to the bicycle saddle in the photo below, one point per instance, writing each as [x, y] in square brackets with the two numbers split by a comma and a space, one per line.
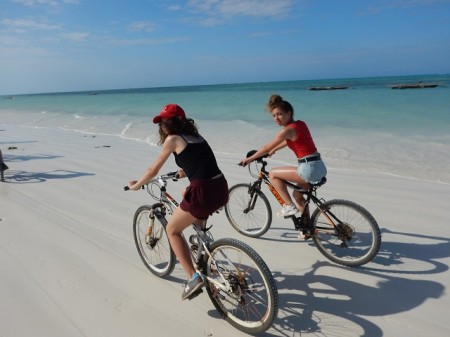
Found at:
[320, 183]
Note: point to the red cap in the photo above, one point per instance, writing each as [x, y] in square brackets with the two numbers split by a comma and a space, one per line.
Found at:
[169, 111]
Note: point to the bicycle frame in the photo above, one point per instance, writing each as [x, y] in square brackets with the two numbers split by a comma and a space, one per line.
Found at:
[204, 240]
[263, 176]
[334, 225]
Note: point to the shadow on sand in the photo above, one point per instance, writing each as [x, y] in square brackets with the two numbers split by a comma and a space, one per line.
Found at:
[21, 177]
[322, 304]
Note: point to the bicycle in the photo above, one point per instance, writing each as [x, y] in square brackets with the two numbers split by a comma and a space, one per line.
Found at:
[343, 231]
[238, 281]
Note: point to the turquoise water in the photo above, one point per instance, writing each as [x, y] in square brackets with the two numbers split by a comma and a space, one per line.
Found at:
[368, 126]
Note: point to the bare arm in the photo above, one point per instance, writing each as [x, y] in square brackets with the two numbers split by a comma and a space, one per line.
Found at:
[279, 147]
[170, 145]
[278, 142]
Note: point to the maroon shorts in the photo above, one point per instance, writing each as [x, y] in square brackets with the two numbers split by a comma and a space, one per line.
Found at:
[205, 196]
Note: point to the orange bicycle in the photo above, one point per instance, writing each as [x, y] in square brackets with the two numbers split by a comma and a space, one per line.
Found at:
[343, 231]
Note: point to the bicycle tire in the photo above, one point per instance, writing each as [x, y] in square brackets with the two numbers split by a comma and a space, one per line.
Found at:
[154, 249]
[254, 222]
[362, 234]
[251, 305]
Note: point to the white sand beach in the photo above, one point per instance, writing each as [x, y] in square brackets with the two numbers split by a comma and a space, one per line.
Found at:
[69, 266]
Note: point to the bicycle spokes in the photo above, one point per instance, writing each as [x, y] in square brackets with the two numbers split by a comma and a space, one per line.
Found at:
[243, 294]
[346, 233]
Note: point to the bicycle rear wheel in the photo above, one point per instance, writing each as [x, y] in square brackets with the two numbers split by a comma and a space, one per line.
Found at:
[354, 241]
[248, 210]
[152, 242]
[251, 302]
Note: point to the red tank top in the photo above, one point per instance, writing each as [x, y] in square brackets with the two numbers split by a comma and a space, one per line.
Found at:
[304, 145]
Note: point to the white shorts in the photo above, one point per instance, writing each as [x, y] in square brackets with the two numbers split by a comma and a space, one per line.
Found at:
[313, 171]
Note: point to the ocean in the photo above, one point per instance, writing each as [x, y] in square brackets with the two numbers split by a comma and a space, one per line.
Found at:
[368, 126]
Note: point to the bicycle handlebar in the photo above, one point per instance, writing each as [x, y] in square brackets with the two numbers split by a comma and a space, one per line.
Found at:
[172, 175]
[259, 159]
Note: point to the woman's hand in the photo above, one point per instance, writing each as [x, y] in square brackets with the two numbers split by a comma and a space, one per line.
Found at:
[245, 162]
[180, 174]
[133, 185]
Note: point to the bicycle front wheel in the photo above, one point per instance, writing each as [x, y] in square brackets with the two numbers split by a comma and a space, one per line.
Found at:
[249, 298]
[248, 210]
[152, 242]
[355, 238]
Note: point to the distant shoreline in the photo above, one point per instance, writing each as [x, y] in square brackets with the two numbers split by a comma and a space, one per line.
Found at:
[308, 83]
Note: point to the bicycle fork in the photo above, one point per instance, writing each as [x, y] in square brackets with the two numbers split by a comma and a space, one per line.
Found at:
[253, 196]
[152, 237]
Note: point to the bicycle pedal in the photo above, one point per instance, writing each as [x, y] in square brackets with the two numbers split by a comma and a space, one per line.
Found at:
[195, 294]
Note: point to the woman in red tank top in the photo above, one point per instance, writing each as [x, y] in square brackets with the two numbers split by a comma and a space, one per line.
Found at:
[296, 136]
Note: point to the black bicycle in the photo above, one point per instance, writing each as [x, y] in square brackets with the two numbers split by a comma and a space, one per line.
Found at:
[239, 283]
[343, 231]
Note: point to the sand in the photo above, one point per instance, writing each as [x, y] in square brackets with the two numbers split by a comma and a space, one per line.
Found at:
[70, 267]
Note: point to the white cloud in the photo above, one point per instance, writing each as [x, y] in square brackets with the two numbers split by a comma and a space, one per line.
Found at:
[136, 42]
[25, 25]
[76, 36]
[211, 21]
[231, 8]
[386, 5]
[174, 8]
[32, 3]
[143, 26]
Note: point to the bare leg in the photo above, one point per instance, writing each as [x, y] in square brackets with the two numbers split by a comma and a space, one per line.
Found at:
[179, 221]
[299, 200]
[289, 173]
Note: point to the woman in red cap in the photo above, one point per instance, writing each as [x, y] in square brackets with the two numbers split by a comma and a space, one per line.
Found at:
[206, 193]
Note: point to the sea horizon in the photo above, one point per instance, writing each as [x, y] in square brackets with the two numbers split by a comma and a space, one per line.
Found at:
[356, 80]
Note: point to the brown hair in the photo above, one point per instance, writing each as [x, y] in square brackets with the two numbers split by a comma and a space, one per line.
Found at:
[276, 101]
[177, 125]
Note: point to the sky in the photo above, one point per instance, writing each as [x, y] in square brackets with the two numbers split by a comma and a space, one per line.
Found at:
[78, 45]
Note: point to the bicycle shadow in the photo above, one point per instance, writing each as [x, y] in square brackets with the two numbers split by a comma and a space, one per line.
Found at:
[398, 256]
[18, 142]
[17, 158]
[402, 257]
[325, 295]
[334, 306]
[22, 177]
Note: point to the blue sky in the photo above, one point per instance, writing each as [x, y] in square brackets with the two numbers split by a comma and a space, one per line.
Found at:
[72, 45]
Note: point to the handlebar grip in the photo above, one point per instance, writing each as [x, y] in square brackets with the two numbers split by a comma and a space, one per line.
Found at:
[126, 188]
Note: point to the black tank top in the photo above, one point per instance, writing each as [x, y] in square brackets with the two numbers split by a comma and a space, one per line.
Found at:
[197, 159]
